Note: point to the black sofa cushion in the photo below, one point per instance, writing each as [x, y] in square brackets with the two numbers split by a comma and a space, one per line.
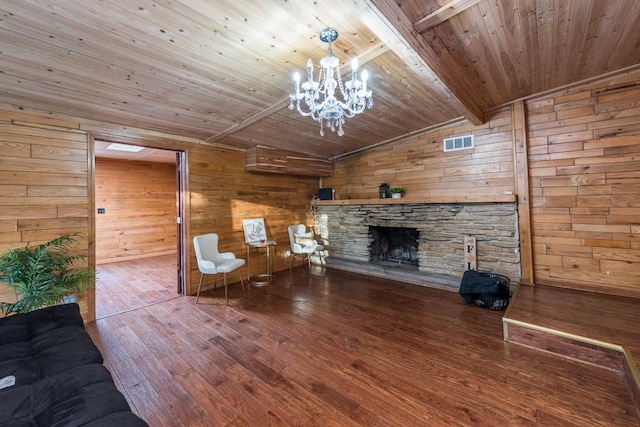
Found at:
[51, 374]
[44, 342]
[78, 397]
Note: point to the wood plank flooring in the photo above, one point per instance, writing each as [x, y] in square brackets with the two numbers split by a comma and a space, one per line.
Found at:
[341, 349]
[127, 285]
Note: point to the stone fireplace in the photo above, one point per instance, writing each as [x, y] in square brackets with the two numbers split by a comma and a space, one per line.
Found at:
[439, 242]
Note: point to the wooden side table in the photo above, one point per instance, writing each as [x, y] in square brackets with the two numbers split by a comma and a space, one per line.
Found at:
[262, 279]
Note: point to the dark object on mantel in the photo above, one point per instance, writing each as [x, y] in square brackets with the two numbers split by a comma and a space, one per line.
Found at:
[52, 373]
[484, 289]
[326, 194]
[384, 191]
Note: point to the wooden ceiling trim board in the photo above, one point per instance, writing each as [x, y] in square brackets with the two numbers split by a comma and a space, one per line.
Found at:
[367, 56]
[569, 87]
[443, 13]
[400, 138]
[364, 58]
[421, 57]
[250, 120]
[136, 136]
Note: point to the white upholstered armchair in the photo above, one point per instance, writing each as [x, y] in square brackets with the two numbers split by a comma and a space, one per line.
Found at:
[210, 261]
[303, 243]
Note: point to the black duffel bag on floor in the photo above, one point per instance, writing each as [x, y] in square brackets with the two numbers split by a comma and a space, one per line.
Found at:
[484, 289]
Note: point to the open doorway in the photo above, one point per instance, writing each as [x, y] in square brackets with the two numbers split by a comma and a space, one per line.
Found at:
[138, 227]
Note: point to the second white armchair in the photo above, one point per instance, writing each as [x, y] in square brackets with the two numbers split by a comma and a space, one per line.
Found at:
[303, 243]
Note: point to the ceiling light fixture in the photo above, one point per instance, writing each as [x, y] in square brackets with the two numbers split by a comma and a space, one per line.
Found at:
[320, 96]
[124, 147]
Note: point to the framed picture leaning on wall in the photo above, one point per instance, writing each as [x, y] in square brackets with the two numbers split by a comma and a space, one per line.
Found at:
[254, 230]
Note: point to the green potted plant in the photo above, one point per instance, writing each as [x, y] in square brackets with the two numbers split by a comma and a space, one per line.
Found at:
[41, 275]
[396, 192]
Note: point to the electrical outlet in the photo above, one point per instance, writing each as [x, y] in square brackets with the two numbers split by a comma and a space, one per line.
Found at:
[102, 210]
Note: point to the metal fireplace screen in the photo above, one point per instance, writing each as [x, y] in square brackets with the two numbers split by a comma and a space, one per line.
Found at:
[396, 245]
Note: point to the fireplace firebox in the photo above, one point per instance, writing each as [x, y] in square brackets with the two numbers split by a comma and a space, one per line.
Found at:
[393, 245]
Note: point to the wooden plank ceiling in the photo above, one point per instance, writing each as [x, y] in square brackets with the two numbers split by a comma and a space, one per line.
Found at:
[221, 71]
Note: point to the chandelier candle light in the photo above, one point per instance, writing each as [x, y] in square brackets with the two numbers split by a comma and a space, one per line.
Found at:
[320, 96]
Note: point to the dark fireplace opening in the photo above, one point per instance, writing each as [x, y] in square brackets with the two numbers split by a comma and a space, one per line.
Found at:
[394, 245]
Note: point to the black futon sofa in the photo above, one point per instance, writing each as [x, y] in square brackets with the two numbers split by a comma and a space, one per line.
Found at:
[51, 374]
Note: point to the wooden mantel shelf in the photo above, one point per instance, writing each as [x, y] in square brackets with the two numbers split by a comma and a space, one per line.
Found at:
[501, 198]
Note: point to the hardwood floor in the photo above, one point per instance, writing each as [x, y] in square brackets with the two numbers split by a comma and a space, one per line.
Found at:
[128, 285]
[341, 349]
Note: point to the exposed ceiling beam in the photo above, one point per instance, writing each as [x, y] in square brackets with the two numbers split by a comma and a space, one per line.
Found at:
[249, 121]
[389, 22]
[365, 57]
[443, 13]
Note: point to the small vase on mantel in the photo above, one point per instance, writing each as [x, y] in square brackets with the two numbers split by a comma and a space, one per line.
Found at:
[396, 195]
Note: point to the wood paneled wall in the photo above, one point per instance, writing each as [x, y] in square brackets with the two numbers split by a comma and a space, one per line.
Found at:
[420, 166]
[223, 194]
[46, 185]
[140, 209]
[584, 159]
[584, 172]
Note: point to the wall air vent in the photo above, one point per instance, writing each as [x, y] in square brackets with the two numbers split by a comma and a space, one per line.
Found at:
[458, 143]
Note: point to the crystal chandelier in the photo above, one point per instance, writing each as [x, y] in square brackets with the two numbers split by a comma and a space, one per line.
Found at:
[319, 97]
